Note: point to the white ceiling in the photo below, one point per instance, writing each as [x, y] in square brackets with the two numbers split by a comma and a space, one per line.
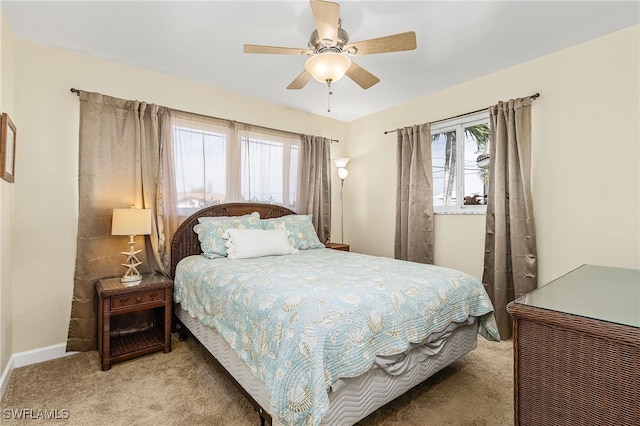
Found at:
[202, 41]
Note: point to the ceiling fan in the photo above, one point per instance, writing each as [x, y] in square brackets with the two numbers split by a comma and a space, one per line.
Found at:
[330, 52]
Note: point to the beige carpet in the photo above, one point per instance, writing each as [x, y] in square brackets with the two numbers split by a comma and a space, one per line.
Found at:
[185, 388]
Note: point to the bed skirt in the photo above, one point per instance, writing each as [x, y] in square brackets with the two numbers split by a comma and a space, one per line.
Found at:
[357, 397]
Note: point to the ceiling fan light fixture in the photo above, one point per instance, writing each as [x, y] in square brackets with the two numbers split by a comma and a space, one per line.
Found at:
[328, 66]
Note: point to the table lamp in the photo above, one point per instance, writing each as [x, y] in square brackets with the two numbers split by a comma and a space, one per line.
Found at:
[131, 222]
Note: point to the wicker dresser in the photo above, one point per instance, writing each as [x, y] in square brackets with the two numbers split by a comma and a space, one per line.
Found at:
[577, 349]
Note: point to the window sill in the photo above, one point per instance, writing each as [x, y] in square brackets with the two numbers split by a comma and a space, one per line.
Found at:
[467, 211]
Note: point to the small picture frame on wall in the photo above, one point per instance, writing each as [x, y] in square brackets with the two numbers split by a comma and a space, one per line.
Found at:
[7, 148]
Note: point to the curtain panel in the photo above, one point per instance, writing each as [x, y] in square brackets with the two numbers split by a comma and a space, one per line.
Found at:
[315, 183]
[119, 166]
[414, 195]
[510, 263]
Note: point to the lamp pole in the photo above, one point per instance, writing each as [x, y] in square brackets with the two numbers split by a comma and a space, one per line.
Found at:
[341, 211]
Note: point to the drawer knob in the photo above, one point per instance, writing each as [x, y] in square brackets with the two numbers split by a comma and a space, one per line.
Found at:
[138, 299]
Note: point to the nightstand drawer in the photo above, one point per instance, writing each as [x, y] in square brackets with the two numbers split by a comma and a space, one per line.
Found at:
[126, 300]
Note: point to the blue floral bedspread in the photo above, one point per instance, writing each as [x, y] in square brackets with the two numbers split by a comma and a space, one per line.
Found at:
[304, 320]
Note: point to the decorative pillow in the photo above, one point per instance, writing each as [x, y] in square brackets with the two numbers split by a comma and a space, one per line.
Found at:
[210, 218]
[250, 243]
[302, 233]
[210, 233]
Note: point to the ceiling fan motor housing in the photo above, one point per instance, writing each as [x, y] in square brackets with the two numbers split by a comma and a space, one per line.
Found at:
[320, 46]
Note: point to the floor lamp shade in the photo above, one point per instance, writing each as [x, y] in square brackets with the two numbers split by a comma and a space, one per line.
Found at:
[341, 162]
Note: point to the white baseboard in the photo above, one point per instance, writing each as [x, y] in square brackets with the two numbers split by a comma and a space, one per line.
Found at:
[6, 375]
[33, 356]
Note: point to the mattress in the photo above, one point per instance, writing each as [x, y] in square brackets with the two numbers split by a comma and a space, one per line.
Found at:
[354, 398]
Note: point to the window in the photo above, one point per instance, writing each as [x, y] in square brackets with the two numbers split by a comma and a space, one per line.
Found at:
[216, 162]
[200, 168]
[460, 157]
[269, 169]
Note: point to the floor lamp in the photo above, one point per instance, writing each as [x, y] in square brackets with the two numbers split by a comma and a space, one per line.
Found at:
[341, 164]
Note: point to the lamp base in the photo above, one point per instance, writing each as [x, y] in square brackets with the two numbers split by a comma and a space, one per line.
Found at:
[132, 276]
[131, 280]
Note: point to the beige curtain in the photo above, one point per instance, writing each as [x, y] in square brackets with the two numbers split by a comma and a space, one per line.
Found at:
[414, 195]
[315, 183]
[119, 166]
[510, 263]
[167, 205]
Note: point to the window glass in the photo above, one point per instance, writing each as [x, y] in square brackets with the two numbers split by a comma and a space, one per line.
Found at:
[200, 168]
[476, 164]
[262, 171]
[460, 161]
[443, 151]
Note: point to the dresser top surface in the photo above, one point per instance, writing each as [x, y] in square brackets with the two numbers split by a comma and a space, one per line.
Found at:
[599, 292]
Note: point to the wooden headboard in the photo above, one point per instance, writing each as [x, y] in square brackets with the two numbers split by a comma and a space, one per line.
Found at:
[185, 241]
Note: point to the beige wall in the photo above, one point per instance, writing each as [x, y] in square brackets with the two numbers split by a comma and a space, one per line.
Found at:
[586, 184]
[46, 187]
[6, 200]
[585, 165]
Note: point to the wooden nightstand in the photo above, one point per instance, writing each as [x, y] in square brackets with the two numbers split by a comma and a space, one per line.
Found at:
[154, 294]
[338, 246]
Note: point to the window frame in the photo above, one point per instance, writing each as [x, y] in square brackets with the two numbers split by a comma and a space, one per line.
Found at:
[458, 125]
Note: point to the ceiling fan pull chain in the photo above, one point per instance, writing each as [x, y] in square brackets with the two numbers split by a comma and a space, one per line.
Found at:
[329, 96]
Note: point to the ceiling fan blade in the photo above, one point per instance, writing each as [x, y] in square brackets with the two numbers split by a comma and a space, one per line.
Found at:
[300, 81]
[361, 76]
[392, 43]
[275, 50]
[326, 15]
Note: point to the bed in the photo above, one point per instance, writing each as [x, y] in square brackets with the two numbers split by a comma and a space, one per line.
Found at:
[319, 336]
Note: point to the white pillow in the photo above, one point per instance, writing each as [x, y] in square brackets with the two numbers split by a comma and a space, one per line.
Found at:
[250, 243]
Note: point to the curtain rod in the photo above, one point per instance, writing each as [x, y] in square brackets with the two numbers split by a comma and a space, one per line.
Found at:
[532, 97]
[77, 92]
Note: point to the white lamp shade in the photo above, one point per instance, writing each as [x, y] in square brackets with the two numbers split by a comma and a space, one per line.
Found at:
[328, 66]
[341, 162]
[131, 222]
[343, 173]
